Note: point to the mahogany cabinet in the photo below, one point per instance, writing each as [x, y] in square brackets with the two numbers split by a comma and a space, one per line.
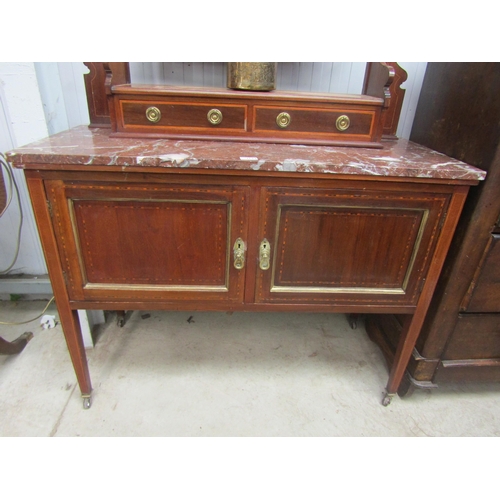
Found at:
[174, 239]
[199, 225]
[458, 114]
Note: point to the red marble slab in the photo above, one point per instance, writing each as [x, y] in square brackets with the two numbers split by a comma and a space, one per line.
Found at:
[95, 149]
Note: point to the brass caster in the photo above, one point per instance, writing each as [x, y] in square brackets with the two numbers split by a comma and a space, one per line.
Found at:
[86, 402]
[387, 399]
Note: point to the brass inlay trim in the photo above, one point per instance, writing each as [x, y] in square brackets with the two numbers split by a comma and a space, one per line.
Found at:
[318, 289]
[337, 290]
[418, 240]
[146, 287]
[78, 244]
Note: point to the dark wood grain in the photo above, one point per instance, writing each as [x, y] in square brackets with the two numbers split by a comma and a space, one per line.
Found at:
[484, 291]
[486, 344]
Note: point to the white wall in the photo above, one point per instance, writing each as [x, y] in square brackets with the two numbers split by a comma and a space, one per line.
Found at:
[62, 91]
[21, 121]
[36, 100]
[413, 86]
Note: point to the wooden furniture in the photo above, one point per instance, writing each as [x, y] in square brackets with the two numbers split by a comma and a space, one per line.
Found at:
[459, 114]
[278, 117]
[95, 87]
[396, 94]
[234, 115]
[382, 80]
[17, 345]
[131, 224]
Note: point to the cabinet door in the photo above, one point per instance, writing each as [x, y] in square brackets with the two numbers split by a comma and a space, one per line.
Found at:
[138, 241]
[347, 247]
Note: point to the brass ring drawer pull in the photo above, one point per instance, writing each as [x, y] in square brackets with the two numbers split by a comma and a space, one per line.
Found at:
[264, 254]
[153, 114]
[214, 116]
[343, 123]
[283, 120]
[239, 253]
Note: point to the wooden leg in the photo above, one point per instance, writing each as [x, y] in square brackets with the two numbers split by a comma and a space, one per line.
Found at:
[353, 320]
[67, 316]
[121, 318]
[413, 324]
[406, 343]
[16, 346]
[74, 340]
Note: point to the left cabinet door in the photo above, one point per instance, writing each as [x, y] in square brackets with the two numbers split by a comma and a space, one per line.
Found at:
[151, 241]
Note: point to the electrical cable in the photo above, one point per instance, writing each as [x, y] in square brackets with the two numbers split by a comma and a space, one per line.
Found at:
[10, 190]
[12, 186]
[12, 183]
[30, 320]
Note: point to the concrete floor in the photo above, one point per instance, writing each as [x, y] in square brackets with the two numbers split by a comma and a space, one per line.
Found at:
[240, 374]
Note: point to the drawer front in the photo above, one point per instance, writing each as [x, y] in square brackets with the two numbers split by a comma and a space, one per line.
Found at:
[171, 116]
[476, 336]
[294, 120]
[484, 294]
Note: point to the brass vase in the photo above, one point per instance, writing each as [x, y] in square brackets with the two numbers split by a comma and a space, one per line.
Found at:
[251, 75]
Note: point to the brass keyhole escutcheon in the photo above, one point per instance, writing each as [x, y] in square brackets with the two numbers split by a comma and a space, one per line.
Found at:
[239, 253]
[283, 120]
[343, 123]
[153, 114]
[264, 254]
[214, 116]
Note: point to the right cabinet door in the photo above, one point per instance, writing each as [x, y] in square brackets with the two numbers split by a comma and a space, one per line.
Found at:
[347, 246]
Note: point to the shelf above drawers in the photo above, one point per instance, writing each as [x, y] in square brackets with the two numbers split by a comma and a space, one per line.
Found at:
[280, 117]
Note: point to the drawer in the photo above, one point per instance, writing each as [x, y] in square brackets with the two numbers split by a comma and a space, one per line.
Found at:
[292, 120]
[225, 114]
[484, 292]
[182, 115]
[476, 336]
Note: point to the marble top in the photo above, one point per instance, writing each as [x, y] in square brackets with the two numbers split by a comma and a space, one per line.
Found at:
[95, 149]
